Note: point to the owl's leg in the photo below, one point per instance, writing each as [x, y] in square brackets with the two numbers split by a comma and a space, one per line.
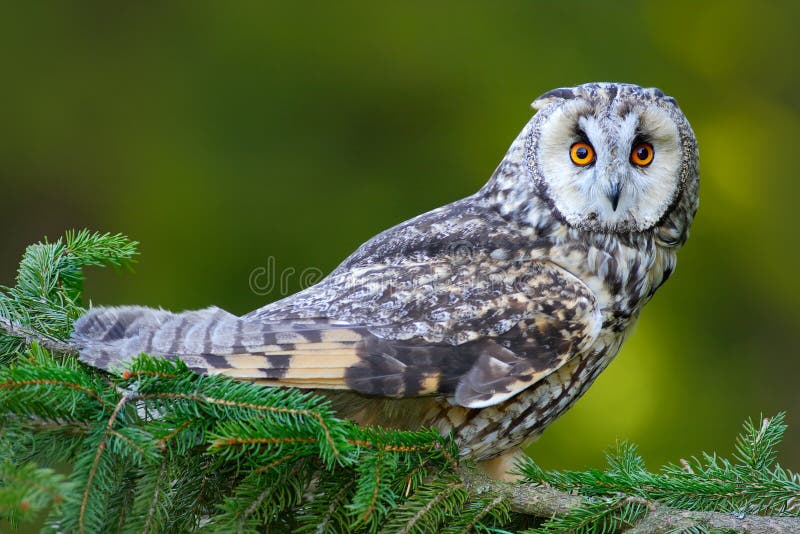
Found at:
[498, 468]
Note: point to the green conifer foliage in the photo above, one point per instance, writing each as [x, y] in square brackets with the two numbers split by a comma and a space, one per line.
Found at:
[157, 448]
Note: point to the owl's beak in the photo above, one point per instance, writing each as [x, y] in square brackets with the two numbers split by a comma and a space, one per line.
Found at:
[613, 195]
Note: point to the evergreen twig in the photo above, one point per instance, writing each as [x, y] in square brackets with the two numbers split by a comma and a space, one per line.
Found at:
[29, 336]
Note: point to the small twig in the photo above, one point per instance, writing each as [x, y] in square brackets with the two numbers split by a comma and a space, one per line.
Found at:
[264, 494]
[544, 501]
[154, 502]
[28, 335]
[368, 513]
[96, 463]
[484, 512]
[335, 503]
[411, 525]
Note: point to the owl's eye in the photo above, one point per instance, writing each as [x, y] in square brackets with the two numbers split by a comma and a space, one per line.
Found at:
[642, 154]
[581, 153]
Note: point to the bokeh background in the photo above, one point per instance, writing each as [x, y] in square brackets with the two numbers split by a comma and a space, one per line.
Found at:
[222, 134]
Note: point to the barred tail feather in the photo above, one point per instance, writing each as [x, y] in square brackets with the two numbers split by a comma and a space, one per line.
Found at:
[301, 352]
[107, 336]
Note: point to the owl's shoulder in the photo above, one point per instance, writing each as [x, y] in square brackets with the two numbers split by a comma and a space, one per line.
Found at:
[469, 227]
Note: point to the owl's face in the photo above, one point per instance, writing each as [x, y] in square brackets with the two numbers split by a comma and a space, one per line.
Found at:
[610, 157]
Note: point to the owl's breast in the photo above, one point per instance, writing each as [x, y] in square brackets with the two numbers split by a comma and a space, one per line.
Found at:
[622, 272]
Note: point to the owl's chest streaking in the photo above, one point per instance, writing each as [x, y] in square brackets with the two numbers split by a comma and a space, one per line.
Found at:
[623, 272]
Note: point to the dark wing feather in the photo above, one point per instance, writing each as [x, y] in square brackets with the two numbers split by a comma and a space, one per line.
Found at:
[476, 328]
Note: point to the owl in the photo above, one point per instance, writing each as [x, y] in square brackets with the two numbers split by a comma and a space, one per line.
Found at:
[488, 317]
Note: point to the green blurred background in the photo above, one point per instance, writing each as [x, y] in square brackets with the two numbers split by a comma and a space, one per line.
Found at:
[222, 134]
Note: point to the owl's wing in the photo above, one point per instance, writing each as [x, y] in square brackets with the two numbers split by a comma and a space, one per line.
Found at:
[479, 331]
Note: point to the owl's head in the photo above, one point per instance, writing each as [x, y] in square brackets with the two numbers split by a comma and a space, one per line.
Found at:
[611, 157]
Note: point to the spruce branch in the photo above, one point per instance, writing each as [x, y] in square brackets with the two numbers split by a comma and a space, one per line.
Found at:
[160, 448]
[750, 494]
[547, 502]
[47, 296]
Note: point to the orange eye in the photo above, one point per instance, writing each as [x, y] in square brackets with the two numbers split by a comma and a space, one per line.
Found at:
[582, 154]
[642, 154]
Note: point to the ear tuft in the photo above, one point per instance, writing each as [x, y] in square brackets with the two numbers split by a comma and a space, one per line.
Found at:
[562, 93]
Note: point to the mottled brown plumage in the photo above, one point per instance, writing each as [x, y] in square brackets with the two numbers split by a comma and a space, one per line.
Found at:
[488, 317]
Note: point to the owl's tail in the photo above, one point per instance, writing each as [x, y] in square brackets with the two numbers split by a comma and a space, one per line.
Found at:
[302, 352]
[109, 336]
